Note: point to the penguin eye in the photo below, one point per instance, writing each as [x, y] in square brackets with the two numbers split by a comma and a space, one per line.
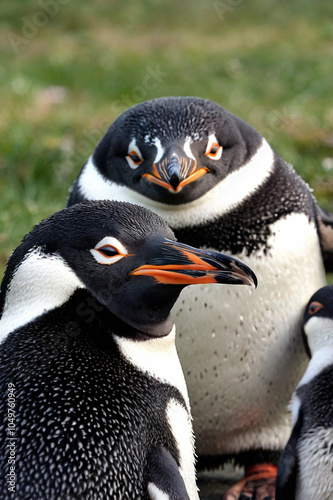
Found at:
[314, 307]
[109, 250]
[214, 152]
[135, 158]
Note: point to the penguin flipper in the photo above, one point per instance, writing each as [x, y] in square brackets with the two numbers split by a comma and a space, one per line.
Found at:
[287, 470]
[164, 479]
[325, 227]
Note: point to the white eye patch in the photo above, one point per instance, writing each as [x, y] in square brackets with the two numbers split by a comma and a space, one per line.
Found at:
[134, 156]
[108, 251]
[187, 148]
[160, 151]
[213, 149]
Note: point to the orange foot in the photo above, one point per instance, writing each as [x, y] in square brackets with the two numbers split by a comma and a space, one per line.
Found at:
[258, 484]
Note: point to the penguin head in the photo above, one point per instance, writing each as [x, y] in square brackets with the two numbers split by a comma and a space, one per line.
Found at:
[173, 150]
[125, 256]
[318, 321]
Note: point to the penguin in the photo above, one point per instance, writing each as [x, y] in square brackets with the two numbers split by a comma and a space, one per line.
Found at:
[93, 398]
[305, 468]
[219, 185]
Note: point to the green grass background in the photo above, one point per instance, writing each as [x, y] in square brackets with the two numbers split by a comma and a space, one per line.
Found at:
[68, 68]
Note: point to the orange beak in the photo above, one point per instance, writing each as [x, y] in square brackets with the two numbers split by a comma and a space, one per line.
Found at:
[179, 264]
[175, 173]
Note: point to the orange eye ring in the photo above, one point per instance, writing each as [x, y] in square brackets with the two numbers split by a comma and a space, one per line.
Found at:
[214, 150]
[109, 250]
[314, 307]
[135, 158]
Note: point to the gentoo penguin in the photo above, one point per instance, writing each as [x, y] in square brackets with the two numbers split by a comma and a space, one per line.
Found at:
[93, 399]
[219, 185]
[306, 466]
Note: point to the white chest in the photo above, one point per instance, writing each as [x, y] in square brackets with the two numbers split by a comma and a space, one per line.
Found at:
[241, 349]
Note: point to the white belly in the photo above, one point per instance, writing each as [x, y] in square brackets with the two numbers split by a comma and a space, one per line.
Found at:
[241, 349]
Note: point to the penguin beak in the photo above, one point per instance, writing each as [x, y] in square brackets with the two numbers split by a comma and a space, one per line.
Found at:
[175, 172]
[179, 264]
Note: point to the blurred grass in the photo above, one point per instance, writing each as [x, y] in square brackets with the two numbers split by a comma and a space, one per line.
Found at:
[68, 69]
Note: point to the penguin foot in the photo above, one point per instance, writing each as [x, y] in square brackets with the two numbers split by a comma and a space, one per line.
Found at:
[258, 484]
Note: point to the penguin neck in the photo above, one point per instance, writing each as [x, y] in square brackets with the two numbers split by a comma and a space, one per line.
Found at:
[318, 338]
[144, 306]
[321, 359]
[319, 332]
[40, 283]
[157, 329]
[93, 317]
[158, 358]
[150, 315]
